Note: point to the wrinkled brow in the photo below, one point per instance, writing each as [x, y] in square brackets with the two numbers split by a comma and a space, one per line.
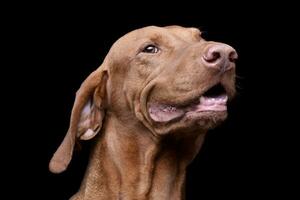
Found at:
[166, 40]
[187, 34]
[159, 38]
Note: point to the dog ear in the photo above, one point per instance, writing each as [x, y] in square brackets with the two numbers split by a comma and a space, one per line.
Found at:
[86, 118]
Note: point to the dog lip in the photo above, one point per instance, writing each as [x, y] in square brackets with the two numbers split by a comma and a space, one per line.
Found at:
[205, 102]
[165, 113]
[206, 95]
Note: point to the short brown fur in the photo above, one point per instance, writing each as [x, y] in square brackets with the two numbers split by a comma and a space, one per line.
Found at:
[135, 157]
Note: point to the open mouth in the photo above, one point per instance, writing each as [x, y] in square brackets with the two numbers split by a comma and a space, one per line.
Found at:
[213, 100]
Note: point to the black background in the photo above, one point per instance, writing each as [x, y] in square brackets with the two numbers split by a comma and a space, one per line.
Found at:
[54, 47]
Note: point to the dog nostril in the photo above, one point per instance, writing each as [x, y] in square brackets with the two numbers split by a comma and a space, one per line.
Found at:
[212, 56]
[233, 56]
[220, 56]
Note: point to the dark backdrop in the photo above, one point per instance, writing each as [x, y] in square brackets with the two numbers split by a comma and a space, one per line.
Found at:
[55, 47]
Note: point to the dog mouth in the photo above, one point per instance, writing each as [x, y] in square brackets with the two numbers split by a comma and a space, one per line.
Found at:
[212, 101]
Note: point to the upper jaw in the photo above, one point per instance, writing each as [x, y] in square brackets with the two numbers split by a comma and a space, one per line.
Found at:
[213, 100]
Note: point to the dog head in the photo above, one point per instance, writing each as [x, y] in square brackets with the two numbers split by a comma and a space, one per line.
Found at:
[169, 79]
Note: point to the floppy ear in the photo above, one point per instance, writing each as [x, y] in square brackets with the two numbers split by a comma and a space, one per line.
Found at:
[86, 118]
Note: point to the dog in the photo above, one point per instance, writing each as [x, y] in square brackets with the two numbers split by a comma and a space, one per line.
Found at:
[148, 107]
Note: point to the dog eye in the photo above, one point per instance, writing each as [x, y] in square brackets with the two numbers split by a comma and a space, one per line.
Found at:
[150, 49]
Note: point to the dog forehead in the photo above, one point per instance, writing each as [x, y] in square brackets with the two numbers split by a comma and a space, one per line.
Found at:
[188, 33]
[179, 32]
[164, 35]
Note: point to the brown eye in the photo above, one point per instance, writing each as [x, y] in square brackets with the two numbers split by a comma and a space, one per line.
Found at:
[150, 49]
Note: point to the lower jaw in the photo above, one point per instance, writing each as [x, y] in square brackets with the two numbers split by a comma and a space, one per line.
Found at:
[204, 120]
[206, 114]
[198, 117]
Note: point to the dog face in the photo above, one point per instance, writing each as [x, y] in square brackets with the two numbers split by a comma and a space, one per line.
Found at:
[171, 79]
[168, 79]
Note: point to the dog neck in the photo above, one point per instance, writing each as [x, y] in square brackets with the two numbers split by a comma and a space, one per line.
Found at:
[131, 165]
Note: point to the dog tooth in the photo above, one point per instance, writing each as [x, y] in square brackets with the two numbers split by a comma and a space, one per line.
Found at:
[208, 102]
[202, 99]
[225, 98]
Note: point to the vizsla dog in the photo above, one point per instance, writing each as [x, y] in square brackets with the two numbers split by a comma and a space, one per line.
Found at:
[148, 106]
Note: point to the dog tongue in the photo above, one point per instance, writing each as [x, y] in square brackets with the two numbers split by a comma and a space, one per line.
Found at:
[164, 113]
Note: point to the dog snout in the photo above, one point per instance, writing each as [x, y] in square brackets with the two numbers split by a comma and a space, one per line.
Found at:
[220, 56]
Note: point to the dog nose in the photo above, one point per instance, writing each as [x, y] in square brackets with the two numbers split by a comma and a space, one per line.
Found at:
[220, 56]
